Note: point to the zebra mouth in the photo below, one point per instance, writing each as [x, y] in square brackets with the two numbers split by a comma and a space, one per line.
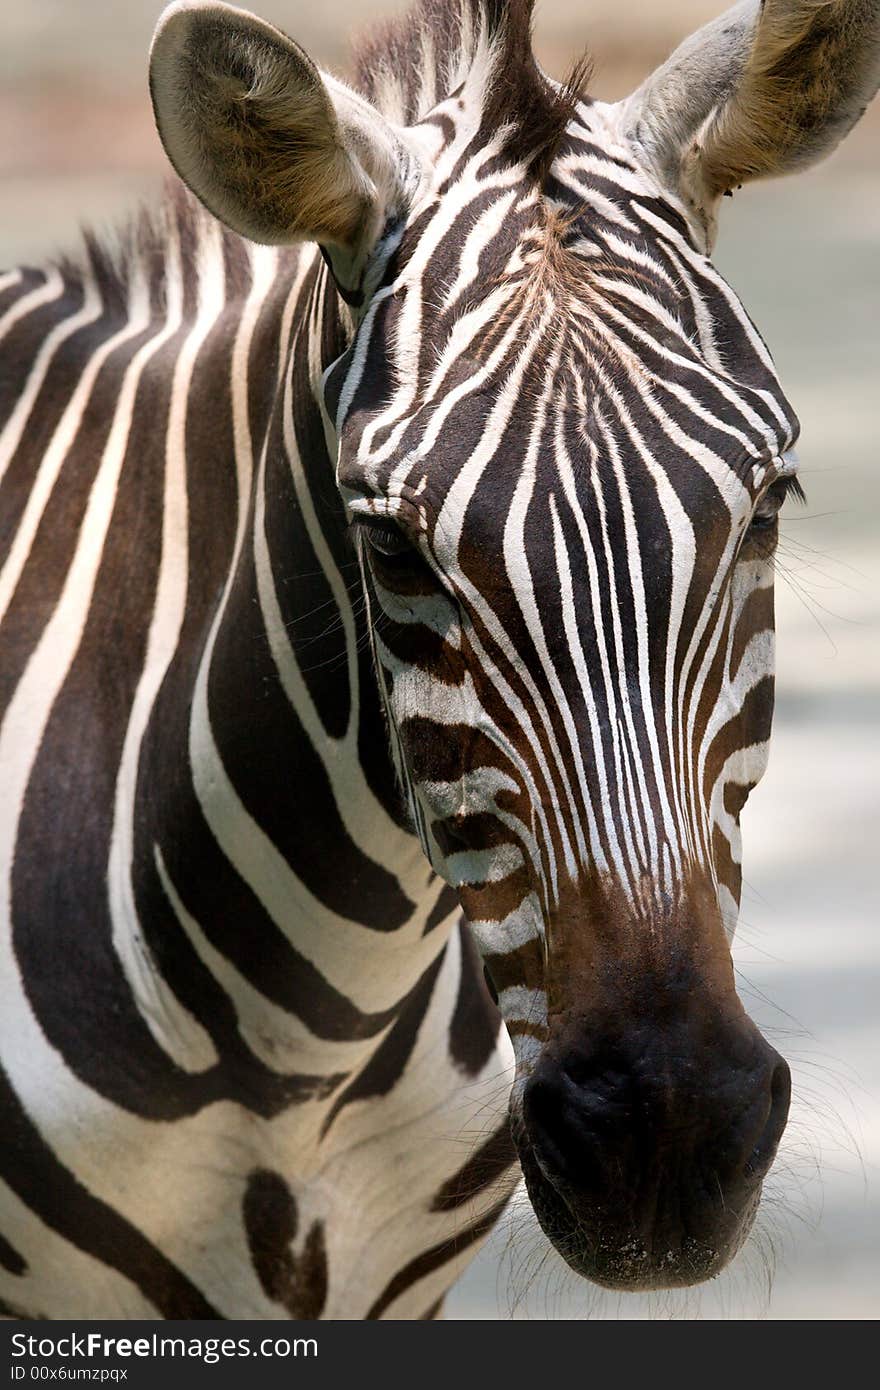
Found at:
[644, 1138]
[607, 1243]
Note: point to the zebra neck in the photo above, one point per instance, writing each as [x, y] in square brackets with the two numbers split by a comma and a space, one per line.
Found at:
[282, 850]
[200, 811]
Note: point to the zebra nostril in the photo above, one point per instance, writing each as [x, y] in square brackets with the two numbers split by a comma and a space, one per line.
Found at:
[780, 1089]
[565, 1124]
[764, 1152]
[576, 1069]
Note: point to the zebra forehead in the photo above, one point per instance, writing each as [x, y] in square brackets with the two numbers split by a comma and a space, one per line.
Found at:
[559, 406]
[559, 307]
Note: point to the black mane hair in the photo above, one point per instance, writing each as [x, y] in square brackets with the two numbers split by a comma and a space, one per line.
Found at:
[408, 64]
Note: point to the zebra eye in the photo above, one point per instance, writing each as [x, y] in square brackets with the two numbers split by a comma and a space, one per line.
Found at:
[767, 511]
[385, 538]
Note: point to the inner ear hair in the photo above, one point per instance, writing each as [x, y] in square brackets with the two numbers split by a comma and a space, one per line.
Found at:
[811, 69]
[767, 88]
[248, 123]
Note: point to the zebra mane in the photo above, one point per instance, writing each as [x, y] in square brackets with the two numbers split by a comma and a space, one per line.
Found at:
[113, 256]
[408, 64]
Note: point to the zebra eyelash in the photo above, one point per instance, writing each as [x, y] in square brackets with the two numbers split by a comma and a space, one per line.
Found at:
[381, 536]
[773, 500]
[794, 488]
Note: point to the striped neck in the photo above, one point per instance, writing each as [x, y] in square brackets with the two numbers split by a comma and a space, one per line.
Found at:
[293, 816]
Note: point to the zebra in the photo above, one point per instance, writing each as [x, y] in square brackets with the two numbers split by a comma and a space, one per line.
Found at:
[386, 609]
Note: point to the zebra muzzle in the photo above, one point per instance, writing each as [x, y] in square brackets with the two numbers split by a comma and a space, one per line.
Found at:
[644, 1148]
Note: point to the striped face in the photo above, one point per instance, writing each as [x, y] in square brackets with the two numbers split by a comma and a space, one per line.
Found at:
[563, 448]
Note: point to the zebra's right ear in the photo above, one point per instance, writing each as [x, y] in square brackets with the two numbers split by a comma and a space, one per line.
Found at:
[277, 150]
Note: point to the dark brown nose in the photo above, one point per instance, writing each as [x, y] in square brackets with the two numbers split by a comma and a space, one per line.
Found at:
[644, 1150]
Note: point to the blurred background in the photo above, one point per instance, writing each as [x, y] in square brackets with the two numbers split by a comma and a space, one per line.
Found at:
[77, 145]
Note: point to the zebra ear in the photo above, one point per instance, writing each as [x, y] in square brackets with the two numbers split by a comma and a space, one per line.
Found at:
[768, 88]
[277, 150]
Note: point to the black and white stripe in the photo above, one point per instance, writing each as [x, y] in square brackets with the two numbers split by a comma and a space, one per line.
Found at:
[327, 587]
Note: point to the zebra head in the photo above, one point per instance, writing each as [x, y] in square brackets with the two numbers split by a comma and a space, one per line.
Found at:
[563, 448]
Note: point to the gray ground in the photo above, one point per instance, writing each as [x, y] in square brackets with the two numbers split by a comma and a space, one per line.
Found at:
[77, 144]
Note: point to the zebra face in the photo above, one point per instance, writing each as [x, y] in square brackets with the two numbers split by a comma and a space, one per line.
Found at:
[564, 495]
[562, 447]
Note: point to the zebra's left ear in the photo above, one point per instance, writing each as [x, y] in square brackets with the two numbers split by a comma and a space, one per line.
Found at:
[277, 150]
[769, 88]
